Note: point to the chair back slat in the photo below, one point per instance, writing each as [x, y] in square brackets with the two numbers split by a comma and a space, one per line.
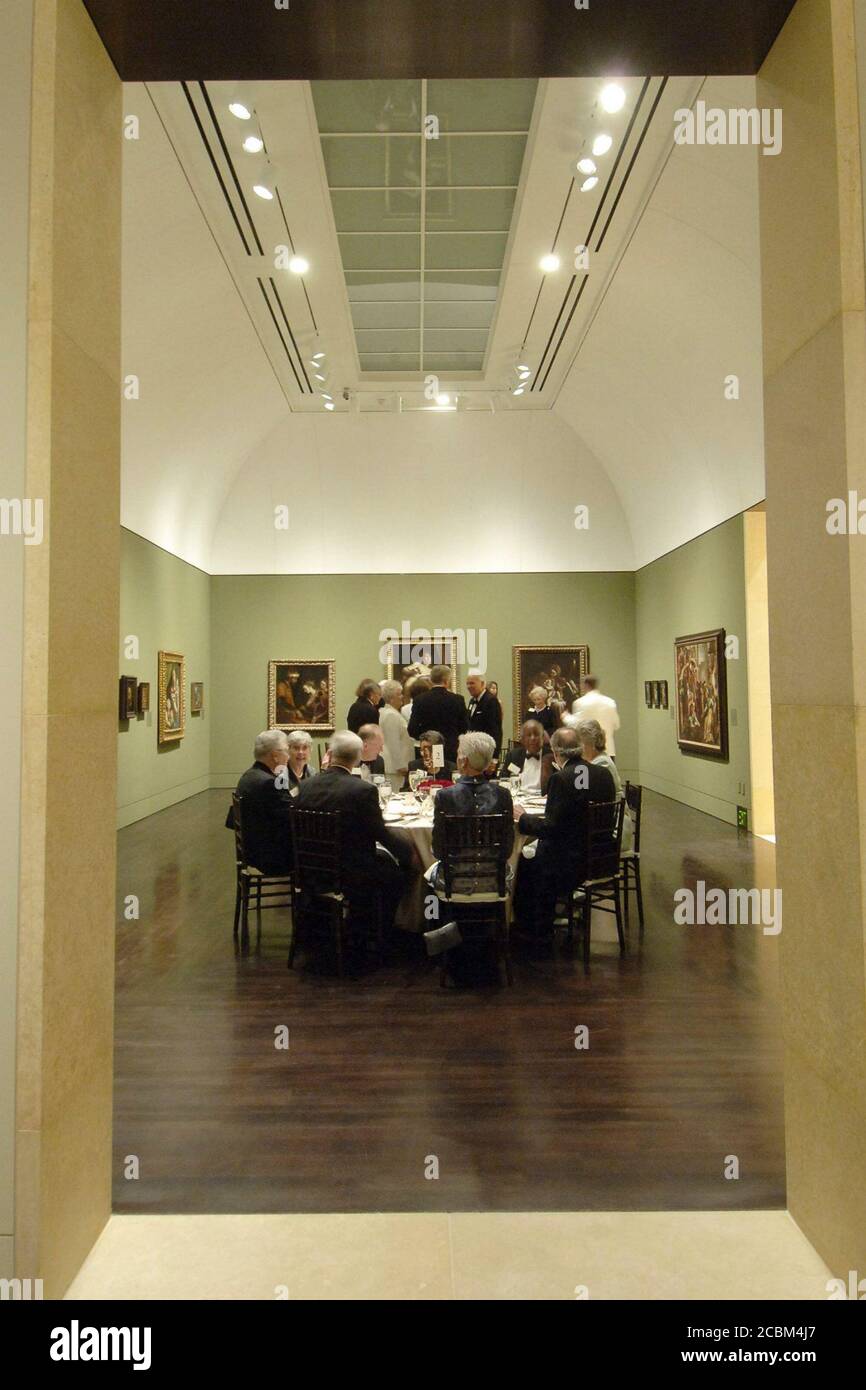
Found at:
[316, 843]
[604, 838]
[634, 799]
[474, 859]
[237, 818]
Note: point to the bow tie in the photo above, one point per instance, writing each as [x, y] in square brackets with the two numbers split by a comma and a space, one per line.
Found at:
[536, 756]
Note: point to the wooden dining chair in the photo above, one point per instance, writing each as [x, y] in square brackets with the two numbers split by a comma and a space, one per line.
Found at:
[262, 890]
[472, 878]
[320, 906]
[602, 883]
[630, 858]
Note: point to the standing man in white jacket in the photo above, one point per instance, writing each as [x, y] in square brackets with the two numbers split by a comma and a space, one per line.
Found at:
[593, 705]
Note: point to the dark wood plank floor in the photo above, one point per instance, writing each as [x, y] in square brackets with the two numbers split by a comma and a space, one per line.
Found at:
[684, 1064]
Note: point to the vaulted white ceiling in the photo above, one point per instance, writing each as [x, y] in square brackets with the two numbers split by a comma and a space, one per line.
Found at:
[624, 411]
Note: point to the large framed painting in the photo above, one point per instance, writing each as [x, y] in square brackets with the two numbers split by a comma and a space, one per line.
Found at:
[403, 660]
[301, 695]
[558, 670]
[702, 694]
[171, 686]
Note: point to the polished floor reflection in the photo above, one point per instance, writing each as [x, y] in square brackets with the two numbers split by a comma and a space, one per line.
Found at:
[386, 1073]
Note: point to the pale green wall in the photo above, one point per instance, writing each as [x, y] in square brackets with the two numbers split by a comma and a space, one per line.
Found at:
[165, 603]
[698, 587]
[258, 618]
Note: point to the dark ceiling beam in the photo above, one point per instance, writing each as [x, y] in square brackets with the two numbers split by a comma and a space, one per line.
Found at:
[210, 40]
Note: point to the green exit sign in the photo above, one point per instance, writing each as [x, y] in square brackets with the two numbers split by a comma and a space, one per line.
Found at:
[742, 817]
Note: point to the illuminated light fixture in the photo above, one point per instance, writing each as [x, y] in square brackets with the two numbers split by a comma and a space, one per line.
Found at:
[588, 184]
[443, 399]
[238, 109]
[263, 192]
[523, 369]
[319, 377]
[329, 405]
[549, 264]
[612, 97]
[317, 356]
[326, 396]
[524, 373]
[254, 144]
[601, 144]
[586, 166]
[519, 391]
[298, 266]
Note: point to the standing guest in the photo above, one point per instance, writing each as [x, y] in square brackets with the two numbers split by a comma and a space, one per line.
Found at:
[593, 705]
[417, 685]
[430, 739]
[372, 764]
[530, 762]
[266, 805]
[365, 710]
[372, 858]
[399, 748]
[559, 863]
[485, 711]
[540, 711]
[298, 765]
[440, 709]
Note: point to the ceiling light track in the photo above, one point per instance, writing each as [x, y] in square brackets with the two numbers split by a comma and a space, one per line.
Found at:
[228, 159]
[279, 333]
[210, 154]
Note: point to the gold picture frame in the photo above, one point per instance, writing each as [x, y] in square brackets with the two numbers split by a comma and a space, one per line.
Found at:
[396, 668]
[296, 698]
[561, 676]
[171, 695]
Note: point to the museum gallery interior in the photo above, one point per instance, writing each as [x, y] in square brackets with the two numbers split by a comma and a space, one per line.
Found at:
[433, 584]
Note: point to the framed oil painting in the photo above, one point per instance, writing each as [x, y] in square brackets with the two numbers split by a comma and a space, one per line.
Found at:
[558, 670]
[144, 697]
[301, 695]
[127, 697]
[702, 694]
[403, 660]
[657, 694]
[171, 685]
[663, 688]
[196, 697]
[648, 694]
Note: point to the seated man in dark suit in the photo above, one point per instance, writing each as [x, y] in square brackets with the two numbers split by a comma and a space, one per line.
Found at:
[530, 762]
[473, 795]
[366, 868]
[441, 710]
[266, 805]
[429, 740]
[558, 865]
[372, 763]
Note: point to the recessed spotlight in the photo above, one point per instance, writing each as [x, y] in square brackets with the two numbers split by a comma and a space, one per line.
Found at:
[238, 109]
[519, 391]
[319, 376]
[326, 396]
[329, 405]
[601, 144]
[588, 184]
[442, 399]
[586, 166]
[612, 97]
[262, 192]
[253, 144]
[549, 264]
[523, 369]
[298, 266]
[524, 373]
[317, 356]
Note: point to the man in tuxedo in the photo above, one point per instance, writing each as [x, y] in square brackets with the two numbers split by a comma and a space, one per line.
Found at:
[559, 865]
[368, 849]
[529, 761]
[373, 740]
[440, 709]
[485, 711]
[266, 805]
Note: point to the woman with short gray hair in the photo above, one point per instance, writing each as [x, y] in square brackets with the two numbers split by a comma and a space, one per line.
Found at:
[593, 742]
[399, 748]
[298, 764]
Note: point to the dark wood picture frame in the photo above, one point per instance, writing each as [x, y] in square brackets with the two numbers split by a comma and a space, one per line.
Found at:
[701, 692]
[143, 697]
[127, 705]
[527, 672]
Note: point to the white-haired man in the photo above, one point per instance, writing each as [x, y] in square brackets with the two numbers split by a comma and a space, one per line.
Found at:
[474, 794]
[364, 869]
[266, 805]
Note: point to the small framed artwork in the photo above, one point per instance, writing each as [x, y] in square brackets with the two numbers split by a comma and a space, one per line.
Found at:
[403, 660]
[127, 697]
[196, 697]
[663, 687]
[558, 670]
[657, 695]
[702, 694]
[301, 695]
[144, 697]
[171, 684]
[648, 694]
